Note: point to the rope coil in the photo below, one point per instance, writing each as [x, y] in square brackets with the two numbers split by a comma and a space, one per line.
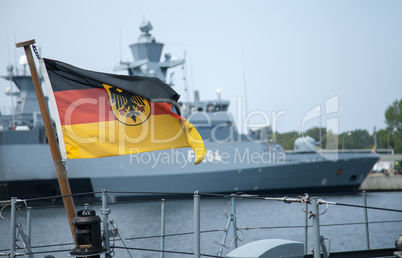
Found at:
[8, 203]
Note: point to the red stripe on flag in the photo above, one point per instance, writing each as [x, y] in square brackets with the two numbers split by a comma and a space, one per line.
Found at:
[92, 105]
[163, 108]
[83, 106]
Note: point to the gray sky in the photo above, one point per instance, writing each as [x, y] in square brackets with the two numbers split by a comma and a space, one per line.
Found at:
[290, 55]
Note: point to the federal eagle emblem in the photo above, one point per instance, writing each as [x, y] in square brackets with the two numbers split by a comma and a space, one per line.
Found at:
[128, 108]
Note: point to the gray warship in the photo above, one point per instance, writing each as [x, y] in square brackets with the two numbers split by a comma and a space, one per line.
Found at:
[234, 162]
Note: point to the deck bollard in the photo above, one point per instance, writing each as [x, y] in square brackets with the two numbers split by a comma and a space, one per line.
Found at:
[196, 224]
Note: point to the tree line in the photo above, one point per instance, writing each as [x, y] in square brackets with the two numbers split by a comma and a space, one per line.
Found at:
[387, 138]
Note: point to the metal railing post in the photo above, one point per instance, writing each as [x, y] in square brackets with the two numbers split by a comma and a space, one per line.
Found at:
[105, 211]
[224, 237]
[196, 224]
[316, 227]
[366, 220]
[13, 226]
[29, 216]
[306, 230]
[25, 240]
[163, 228]
[233, 217]
[113, 224]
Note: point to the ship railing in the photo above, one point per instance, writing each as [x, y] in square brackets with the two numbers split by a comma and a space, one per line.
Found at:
[5, 110]
[379, 151]
[20, 121]
[324, 155]
[20, 242]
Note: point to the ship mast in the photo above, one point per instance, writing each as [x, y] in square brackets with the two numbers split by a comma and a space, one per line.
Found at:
[10, 75]
[147, 54]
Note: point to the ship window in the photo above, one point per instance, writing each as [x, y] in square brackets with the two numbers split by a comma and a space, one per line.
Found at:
[353, 178]
[216, 108]
[225, 108]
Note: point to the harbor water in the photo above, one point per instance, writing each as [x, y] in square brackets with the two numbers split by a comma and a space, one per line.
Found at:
[140, 224]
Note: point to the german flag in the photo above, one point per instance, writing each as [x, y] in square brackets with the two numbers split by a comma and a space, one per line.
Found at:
[104, 114]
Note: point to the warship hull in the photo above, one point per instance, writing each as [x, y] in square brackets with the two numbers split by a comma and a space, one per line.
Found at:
[228, 168]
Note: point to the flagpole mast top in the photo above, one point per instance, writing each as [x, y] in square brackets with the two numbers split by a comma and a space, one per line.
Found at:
[25, 43]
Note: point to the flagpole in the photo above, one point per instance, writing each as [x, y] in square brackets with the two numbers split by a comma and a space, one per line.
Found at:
[51, 136]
